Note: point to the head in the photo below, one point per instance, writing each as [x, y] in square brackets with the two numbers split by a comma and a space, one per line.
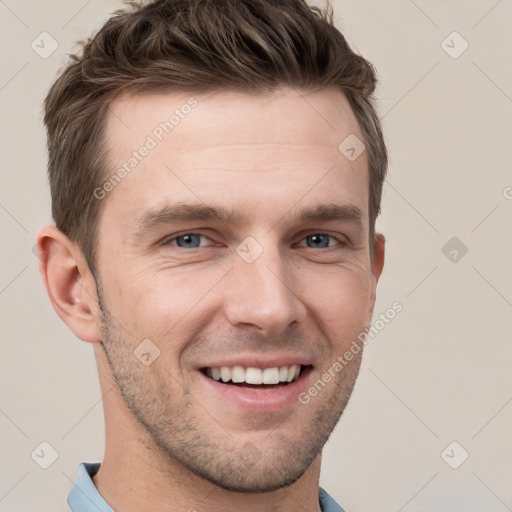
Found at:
[208, 215]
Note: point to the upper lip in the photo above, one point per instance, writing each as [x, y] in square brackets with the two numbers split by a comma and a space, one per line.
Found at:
[259, 361]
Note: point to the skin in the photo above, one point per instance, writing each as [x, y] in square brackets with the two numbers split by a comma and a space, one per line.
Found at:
[171, 443]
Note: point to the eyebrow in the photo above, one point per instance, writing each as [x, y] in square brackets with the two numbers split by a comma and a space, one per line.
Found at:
[182, 212]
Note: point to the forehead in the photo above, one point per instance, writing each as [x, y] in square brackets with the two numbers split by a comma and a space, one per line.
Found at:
[327, 107]
[258, 150]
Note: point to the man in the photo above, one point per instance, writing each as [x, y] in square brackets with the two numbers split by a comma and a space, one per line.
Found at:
[216, 170]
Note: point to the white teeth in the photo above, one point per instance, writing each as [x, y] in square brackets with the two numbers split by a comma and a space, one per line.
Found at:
[238, 374]
[253, 376]
[225, 373]
[270, 376]
[291, 372]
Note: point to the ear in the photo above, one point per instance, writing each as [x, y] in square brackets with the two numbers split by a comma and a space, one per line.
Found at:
[379, 246]
[69, 283]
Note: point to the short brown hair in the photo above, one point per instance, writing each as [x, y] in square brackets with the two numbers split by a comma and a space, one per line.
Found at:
[198, 46]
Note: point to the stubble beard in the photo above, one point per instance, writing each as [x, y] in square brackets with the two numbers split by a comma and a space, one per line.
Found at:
[182, 438]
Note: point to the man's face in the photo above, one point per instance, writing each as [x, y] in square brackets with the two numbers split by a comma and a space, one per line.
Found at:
[262, 289]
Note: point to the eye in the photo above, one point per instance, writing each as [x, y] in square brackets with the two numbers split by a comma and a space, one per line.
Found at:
[197, 240]
[187, 240]
[320, 240]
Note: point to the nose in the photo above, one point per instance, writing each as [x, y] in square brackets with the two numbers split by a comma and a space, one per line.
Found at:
[263, 295]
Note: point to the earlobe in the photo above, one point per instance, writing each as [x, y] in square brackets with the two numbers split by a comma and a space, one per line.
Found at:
[69, 283]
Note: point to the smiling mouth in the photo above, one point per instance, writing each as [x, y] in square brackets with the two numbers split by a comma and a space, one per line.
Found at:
[257, 378]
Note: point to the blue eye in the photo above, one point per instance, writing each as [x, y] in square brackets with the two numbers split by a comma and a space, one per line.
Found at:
[318, 240]
[197, 240]
[189, 240]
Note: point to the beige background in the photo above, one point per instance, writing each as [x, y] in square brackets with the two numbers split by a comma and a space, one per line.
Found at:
[438, 373]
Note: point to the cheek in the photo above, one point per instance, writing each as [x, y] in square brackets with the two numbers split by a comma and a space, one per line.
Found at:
[346, 282]
[165, 304]
[340, 299]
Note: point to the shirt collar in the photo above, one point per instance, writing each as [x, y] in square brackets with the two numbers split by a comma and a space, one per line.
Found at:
[83, 495]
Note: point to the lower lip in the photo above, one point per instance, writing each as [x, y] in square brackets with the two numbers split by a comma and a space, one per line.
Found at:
[264, 400]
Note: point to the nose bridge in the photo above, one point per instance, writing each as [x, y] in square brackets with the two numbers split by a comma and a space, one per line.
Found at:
[261, 293]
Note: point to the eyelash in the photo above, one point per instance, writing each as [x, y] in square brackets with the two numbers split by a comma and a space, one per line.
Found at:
[167, 241]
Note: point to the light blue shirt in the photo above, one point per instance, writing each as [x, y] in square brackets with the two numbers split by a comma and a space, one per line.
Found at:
[84, 497]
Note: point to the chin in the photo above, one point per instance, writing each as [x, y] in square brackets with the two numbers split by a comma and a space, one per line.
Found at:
[254, 479]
